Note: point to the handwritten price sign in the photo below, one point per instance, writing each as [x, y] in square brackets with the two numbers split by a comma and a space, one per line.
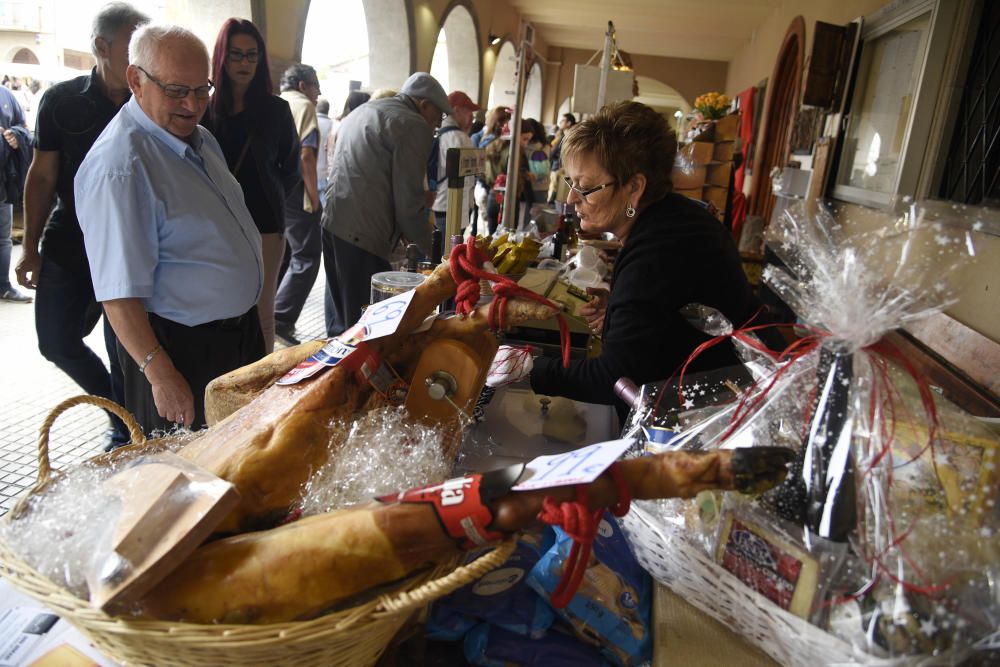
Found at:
[383, 318]
[580, 466]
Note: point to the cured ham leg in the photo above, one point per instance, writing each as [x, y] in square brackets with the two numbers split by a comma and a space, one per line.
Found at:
[279, 435]
[301, 569]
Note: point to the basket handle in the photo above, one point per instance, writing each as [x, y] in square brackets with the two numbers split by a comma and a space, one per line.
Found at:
[44, 468]
[452, 581]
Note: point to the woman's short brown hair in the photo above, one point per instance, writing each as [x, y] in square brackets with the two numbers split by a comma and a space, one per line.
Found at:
[627, 138]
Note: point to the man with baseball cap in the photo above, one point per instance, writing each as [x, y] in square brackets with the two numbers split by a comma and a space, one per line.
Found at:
[454, 133]
[376, 192]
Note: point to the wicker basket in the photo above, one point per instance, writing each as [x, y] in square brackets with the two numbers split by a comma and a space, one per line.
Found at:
[351, 637]
[665, 552]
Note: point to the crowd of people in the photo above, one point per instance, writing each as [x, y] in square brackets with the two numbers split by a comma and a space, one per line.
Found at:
[171, 190]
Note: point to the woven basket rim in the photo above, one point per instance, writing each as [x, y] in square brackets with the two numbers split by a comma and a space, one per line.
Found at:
[406, 595]
[802, 635]
[413, 591]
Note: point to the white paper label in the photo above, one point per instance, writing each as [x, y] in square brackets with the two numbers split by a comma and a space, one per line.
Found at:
[331, 354]
[383, 318]
[580, 466]
[20, 629]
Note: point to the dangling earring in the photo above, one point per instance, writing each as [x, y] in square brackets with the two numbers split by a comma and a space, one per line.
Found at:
[629, 211]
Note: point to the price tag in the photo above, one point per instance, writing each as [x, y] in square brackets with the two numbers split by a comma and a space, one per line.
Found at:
[331, 354]
[383, 318]
[580, 466]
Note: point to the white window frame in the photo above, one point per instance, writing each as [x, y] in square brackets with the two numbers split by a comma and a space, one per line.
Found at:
[926, 96]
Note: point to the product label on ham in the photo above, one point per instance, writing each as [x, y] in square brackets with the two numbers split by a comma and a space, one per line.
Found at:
[330, 355]
[459, 506]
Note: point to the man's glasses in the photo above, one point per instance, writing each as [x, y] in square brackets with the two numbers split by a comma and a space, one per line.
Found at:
[589, 191]
[238, 56]
[178, 91]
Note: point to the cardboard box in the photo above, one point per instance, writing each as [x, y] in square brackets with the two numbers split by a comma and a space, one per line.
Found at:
[727, 128]
[718, 174]
[723, 151]
[698, 152]
[714, 194]
[686, 180]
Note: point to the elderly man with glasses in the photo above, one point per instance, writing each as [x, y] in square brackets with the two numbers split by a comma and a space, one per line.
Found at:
[174, 253]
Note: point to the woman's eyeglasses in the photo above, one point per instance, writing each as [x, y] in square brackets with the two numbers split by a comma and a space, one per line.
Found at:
[589, 191]
[178, 91]
[238, 56]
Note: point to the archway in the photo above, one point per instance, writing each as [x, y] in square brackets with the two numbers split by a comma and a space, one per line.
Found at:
[451, 66]
[503, 89]
[564, 108]
[533, 94]
[336, 40]
[782, 104]
[25, 57]
[664, 99]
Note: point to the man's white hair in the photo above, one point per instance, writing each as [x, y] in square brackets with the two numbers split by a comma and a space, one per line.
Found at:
[145, 45]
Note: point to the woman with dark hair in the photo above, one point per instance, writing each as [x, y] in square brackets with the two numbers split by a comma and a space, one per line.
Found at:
[259, 140]
[618, 173]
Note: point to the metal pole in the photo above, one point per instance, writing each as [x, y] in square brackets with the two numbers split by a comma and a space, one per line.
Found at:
[602, 89]
[514, 160]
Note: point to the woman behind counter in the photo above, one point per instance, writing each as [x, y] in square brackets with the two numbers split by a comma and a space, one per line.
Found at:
[617, 167]
[258, 137]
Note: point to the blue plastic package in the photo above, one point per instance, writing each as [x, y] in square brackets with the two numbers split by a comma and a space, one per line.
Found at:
[613, 604]
[495, 647]
[501, 597]
[447, 624]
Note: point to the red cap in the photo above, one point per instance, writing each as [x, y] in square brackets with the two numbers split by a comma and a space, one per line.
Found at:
[459, 99]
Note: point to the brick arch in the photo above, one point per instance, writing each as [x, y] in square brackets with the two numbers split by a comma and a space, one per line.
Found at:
[24, 56]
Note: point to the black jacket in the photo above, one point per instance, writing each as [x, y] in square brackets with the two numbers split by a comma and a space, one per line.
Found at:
[15, 165]
[274, 150]
[675, 254]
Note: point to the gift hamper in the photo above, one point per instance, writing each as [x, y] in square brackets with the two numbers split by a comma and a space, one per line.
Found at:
[881, 546]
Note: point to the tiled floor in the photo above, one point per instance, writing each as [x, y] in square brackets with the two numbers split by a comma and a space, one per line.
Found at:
[31, 387]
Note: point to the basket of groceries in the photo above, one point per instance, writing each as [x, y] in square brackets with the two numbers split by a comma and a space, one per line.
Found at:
[881, 545]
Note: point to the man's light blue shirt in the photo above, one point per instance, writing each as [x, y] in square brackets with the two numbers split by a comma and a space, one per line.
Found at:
[164, 221]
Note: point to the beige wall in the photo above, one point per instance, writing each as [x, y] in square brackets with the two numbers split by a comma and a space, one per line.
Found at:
[688, 77]
[755, 61]
[979, 282]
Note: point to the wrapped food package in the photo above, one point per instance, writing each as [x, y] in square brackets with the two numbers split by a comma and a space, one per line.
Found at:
[885, 532]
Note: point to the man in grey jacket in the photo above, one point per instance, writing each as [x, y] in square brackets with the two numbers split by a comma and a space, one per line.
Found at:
[377, 193]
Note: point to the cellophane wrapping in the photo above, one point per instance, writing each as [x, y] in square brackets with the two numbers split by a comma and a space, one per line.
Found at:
[893, 485]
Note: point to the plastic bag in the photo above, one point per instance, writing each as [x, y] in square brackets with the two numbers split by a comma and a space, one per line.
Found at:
[612, 606]
[906, 482]
[501, 598]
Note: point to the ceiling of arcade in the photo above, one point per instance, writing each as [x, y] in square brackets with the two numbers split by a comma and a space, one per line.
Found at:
[677, 54]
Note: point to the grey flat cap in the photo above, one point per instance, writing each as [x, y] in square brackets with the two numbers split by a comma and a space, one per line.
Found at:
[422, 84]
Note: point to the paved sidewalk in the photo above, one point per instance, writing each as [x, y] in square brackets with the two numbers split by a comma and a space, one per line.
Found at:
[32, 386]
